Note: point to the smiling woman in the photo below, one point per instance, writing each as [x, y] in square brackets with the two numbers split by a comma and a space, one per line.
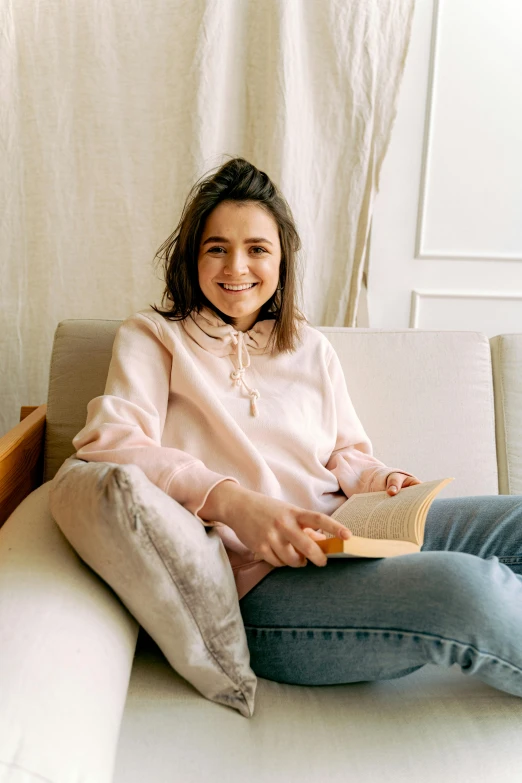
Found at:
[238, 409]
[236, 234]
[241, 273]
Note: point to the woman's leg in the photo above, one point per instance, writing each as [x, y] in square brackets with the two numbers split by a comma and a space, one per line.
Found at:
[459, 600]
[488, 526]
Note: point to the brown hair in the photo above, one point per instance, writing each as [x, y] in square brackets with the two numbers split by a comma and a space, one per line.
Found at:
[236, 180]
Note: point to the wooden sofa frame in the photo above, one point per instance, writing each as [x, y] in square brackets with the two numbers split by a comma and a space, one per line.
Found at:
[21, 459]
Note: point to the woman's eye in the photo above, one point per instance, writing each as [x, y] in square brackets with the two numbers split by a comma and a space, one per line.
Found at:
[257, 250]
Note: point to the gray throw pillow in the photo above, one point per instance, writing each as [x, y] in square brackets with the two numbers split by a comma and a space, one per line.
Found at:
[170, 571]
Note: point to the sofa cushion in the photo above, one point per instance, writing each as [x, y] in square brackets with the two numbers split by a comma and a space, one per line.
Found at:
[171, 572]
[437, 725]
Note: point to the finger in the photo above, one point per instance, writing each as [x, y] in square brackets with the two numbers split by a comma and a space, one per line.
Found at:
[400, 480]
[308, 550]
[319, 522]
[304, 543]
[270, 557]
[394, 483]
[289, 555]
[315, 535]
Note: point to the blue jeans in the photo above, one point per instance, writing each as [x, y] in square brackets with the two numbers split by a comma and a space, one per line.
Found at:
[459, 600]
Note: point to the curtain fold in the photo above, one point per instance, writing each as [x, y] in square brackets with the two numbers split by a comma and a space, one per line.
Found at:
[111, 109]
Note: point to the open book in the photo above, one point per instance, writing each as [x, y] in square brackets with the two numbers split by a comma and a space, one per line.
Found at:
[383, 525]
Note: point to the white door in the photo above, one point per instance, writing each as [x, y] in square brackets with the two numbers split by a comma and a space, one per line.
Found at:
[446, 241]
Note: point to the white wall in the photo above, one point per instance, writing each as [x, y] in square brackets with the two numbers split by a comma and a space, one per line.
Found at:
[446, 243]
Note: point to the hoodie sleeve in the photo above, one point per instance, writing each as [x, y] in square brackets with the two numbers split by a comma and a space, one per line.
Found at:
[125, 424]
[352, 461]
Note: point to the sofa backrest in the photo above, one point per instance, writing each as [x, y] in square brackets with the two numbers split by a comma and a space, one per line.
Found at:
[79, 365]
[425, 398]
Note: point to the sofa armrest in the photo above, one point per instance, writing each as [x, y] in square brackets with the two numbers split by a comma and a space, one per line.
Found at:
[67, 647]
[506, 355]
[21, 460]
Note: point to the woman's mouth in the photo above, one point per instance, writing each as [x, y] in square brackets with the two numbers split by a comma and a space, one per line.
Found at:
[236, 289]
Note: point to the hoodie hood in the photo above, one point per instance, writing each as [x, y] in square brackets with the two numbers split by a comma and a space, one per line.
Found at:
[214, 335]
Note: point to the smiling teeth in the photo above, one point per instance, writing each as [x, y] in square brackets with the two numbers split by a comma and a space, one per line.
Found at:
[238, 287]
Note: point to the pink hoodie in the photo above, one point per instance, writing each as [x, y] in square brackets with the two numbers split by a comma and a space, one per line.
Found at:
[195, 402]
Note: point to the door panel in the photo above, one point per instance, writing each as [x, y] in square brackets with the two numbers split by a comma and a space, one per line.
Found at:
[446, 241]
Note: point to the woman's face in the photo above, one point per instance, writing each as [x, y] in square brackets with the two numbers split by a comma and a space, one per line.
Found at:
[238, 261]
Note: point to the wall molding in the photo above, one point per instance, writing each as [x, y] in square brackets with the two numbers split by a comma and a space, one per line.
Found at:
[420, 252]
[417, 296]
[459, 256]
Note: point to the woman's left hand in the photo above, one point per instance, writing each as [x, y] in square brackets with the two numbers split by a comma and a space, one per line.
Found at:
[395, 482]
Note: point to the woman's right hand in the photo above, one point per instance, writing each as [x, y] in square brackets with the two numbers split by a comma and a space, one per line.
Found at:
[271, 528]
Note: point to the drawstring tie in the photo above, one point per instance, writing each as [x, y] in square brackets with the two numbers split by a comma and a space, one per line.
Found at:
[238, 374]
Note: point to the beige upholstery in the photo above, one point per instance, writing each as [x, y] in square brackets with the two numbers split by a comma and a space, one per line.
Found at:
[436, 725]
[426, 400]
[66, 651]
[506, 353]
[79, 366]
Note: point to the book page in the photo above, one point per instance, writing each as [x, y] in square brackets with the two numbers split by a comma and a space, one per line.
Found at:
[379, 515]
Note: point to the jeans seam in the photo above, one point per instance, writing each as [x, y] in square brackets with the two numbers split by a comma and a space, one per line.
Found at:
[514, 559]
[424, 635]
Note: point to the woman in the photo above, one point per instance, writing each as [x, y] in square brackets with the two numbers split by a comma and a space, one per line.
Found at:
[238, 409]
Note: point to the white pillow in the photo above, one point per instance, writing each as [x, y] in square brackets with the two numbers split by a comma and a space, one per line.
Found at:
[170, 571]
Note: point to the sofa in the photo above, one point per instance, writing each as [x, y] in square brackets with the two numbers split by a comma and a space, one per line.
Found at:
[86, 696]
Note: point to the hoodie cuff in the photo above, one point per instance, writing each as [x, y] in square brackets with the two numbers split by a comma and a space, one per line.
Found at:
[191, 486]
[205, 522]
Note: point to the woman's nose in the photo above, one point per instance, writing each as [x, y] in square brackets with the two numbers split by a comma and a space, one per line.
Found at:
[236, 262]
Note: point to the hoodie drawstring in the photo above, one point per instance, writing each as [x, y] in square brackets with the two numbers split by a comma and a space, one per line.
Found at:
[238, 375]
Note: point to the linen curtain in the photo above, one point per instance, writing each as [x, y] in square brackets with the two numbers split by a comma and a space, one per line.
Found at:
[111, 109]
